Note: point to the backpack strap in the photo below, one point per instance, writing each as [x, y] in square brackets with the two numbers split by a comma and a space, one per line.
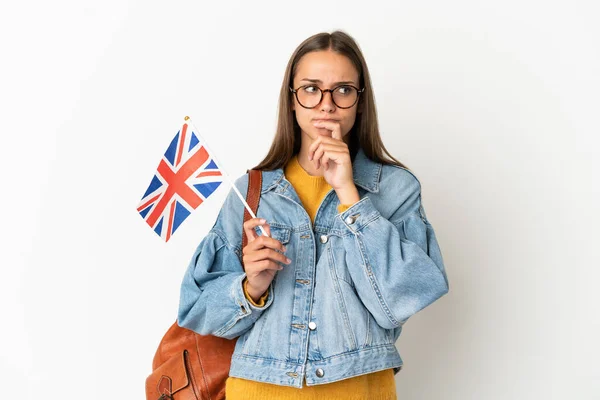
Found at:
[252, 198]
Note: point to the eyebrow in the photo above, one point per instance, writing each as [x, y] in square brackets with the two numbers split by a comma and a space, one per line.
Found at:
[335, 83]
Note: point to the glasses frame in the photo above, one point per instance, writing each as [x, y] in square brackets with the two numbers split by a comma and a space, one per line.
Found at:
[323, 91]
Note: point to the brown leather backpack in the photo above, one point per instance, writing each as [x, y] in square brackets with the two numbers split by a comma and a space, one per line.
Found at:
[188, 366]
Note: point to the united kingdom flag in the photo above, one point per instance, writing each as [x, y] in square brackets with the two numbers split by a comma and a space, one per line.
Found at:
[185, 177]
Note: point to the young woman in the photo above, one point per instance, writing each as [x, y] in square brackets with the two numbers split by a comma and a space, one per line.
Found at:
[350, 254]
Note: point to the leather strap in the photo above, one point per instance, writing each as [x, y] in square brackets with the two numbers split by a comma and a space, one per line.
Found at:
[165, 386]
[252, 198]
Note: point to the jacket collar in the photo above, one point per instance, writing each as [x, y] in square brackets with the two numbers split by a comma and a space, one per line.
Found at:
[366, 174]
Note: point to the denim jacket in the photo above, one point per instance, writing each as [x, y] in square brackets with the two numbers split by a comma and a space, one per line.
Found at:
[336, 311]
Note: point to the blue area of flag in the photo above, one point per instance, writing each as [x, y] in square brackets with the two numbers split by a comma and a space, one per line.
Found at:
[145, 210]
[181, 213]
[193, 141]
[155, 184]
[212, 165]
[158, 228]
[207, 188]
[172, 150]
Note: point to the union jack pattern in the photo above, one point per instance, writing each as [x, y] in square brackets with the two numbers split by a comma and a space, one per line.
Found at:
[185, 177]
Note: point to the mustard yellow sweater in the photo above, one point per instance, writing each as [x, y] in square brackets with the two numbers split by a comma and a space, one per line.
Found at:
[374, 386]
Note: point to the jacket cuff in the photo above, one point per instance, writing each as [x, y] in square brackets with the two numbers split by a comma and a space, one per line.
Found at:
[246, 307]
[359, 215]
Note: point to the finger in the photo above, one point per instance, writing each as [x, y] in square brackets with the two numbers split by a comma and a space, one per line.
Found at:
[329, 140]
[264, 241]
[249, 228]
[260, 266]
[333, 142]
[264, 254]
[334, 127]
[317, 156]
[324, 148]
[336, 156]
[337, 133]
[271, 254]
[324, 140]
[313, 147]
[267, 229]
[325, 161]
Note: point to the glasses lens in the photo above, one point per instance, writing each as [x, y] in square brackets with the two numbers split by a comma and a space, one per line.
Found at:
[345, 96]
[309, 96]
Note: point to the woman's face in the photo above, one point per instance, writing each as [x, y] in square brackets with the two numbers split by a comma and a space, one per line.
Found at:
[327, 70]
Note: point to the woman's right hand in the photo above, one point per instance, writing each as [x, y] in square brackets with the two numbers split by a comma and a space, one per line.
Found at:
[261, 258]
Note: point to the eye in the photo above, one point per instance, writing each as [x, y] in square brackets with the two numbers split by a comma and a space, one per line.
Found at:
[345, 90]
[310, 89]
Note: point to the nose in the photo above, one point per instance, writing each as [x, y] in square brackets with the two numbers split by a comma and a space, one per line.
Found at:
[327, 104]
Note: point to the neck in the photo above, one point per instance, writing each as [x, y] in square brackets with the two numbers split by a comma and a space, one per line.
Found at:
[307, 164]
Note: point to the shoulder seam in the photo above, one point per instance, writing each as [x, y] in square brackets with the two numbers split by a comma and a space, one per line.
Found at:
[407, 170]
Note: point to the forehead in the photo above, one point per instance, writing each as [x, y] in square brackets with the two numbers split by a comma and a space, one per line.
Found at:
[327, 66]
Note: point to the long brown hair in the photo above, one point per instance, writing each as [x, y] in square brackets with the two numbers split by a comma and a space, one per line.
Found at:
[365, 132]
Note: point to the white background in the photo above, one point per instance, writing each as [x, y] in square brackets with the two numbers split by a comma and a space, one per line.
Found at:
[494, 105]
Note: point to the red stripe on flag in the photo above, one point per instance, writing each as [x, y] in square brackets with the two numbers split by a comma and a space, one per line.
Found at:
[140, 208]
[209, 173]
[171, 216]
[181, 143]
[176, 184]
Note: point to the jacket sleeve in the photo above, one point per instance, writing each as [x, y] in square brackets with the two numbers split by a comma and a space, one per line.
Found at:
[395, 263]
[212, 300]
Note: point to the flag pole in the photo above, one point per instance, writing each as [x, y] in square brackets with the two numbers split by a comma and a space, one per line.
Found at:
[225, 175]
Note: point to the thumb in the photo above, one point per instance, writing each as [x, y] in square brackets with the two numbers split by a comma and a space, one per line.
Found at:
[249, 228]
[337, 133]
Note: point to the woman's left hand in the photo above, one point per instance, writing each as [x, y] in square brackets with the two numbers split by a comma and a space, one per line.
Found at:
[333, 155]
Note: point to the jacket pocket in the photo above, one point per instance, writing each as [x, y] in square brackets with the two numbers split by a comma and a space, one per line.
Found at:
[283, 234]
[280, 232]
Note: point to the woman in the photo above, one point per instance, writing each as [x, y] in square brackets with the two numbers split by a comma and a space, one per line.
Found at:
[350, 254]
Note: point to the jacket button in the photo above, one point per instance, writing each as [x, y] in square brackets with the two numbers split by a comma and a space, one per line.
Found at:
[312, 325]
[324, 238]
[320, 372]
[350, 220]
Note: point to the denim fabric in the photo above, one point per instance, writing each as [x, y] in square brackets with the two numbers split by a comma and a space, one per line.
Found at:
[358, 276]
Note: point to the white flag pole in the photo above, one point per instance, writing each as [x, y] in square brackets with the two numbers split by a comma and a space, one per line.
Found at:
[225, 175]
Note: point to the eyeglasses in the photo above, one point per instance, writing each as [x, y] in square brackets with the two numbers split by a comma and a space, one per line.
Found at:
[343, 96]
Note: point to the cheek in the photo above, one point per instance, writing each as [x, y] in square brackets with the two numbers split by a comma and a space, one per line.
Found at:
[303, 117]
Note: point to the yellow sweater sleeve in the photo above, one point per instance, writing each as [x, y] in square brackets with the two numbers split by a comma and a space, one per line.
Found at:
[261, 301]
